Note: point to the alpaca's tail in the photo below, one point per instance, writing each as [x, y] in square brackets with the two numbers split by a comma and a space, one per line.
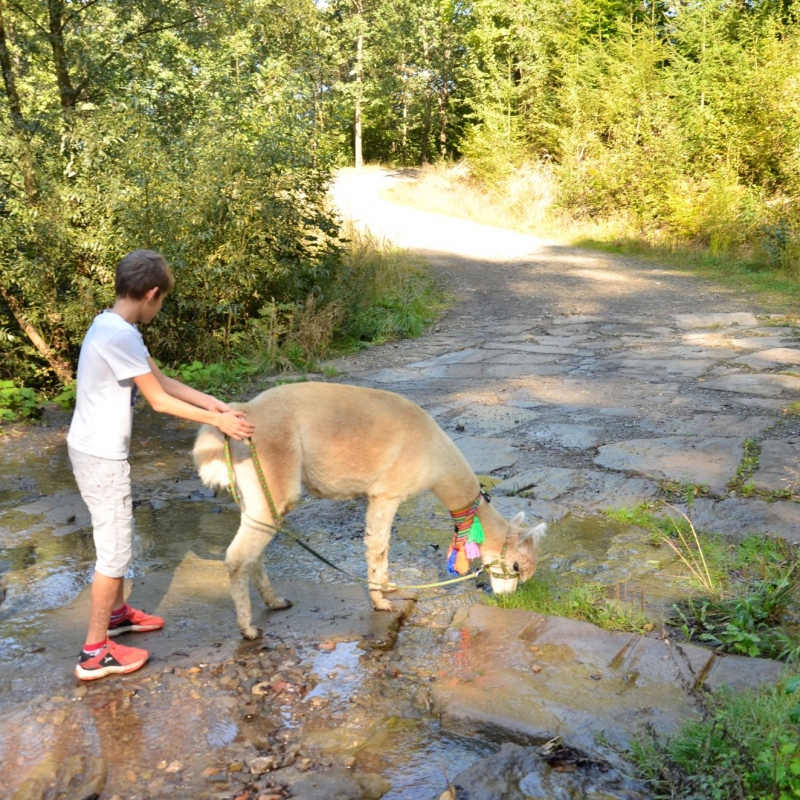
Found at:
[209, 457]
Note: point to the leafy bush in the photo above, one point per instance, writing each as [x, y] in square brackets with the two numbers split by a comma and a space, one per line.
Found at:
[17, 402]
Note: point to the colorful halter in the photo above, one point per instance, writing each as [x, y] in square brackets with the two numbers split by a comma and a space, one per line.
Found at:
[468, 535]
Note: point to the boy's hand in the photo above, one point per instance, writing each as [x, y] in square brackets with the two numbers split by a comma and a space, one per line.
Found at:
[235, 424]
[218, 405]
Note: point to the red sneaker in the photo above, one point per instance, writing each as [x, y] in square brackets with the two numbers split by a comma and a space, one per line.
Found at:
[112, 659]
[135, 621]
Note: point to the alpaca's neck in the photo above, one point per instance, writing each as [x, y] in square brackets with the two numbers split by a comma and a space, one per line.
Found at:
[495, 527]
[455, 483]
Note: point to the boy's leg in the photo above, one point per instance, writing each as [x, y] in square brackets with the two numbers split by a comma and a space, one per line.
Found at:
[107, 595]
[105, 487]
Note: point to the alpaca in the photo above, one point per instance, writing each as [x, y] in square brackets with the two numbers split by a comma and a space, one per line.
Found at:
[340, 442]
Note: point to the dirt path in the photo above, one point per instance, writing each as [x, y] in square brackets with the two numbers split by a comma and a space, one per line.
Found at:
[604, 378]
[574, 381]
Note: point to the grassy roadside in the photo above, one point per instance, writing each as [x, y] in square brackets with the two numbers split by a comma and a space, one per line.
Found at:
[526, 203]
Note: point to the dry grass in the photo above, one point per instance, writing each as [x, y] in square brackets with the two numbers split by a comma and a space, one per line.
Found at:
[523, 201]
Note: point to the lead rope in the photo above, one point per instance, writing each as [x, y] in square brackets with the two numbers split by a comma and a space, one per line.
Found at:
[265, 488]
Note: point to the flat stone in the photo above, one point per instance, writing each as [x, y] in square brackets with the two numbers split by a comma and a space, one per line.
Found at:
[778, 466]
[740, 318]
[387, 376]
[486, 454]
[758, 342]
[711, 461]
[505, 371]
[489, 420]
[511, 357]
[471, 372]
[570, 437]
[760, 385]
[580, 489]
[523, 773]
[776, 357]
[546, 483]
[75, 776]
[588, 684]
[739, 517]
[689, 368]
[460, 357]
[59, 513]
[342, 784]
[709, 425]
[578, 319]
[550, 349]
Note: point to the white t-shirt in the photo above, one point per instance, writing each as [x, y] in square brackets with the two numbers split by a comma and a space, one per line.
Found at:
[113, 353]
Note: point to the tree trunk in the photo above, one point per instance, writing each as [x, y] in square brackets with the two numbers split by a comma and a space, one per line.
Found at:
[9, 81]
[444, 100]
[15, 108]
[61, 368]
[357, 136]
[359, 92]
[66, 91]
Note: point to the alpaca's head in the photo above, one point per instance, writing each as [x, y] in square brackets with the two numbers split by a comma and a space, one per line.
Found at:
[522, 548]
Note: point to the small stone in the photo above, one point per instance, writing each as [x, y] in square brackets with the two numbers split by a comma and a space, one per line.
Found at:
[536, 668]
[235, 766]
[261, 689]
[262, 764]
[174, 766]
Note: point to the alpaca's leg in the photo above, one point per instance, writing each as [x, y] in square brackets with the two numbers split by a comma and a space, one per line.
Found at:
[265, 588]
[380, 515]
[243, 560]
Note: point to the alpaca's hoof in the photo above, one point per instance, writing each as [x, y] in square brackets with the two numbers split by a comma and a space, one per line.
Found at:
[382, 604]
[251, 632]
[280, 603]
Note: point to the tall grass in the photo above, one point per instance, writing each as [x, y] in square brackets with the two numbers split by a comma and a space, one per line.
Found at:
[382, 293]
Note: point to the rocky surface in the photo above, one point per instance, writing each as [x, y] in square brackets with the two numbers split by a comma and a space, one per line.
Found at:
[574, 382]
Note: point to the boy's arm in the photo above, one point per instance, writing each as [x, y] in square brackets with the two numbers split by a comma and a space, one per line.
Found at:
[230, 422]
[183, 392]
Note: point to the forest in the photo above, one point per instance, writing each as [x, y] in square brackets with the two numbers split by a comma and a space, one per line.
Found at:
[211, 131]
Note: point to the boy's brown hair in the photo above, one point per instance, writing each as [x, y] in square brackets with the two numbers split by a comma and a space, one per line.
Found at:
[141, 271]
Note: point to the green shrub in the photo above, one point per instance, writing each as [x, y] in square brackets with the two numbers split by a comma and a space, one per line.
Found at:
[746, 747]
[18, 402]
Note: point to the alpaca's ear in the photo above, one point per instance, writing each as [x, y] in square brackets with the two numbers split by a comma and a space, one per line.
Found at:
[535, 534]
[518, 523]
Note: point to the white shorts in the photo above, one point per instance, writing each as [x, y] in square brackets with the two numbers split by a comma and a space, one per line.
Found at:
[105, 486]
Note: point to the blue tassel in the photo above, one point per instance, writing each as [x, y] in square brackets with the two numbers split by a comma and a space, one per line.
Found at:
[451, 564]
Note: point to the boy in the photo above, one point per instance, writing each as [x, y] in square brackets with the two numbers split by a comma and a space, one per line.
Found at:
[113, 365]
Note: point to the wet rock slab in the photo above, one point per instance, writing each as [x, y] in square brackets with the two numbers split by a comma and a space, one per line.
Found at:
[584, 489]
[530, 773]
[539, 676]
[741, 319]
[341, 784]
[778, 466]
[711, 462]
[738, 517]
[487, 454]
[760, 385]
